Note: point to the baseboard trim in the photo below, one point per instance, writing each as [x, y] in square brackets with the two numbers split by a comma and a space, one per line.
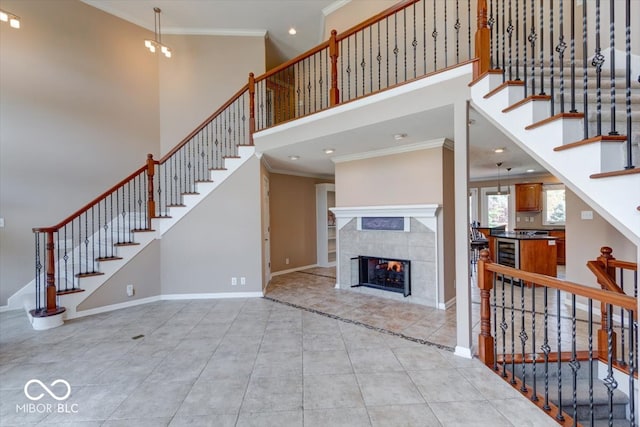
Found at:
[220, 295]
[447, 305]
[5, 308]
[113, 307]
[465, 352]
[293, 270]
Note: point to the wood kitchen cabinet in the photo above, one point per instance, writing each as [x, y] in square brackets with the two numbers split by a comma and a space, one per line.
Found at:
[560, 243]
[529, 197]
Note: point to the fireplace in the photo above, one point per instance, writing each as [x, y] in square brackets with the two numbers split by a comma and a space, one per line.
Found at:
[382, 273]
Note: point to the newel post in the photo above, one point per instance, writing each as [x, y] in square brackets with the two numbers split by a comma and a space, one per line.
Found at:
[483, 41]
[52, 292]
[485, 284]
[252, 107]
[603, 333]
[334, 94]
[151, 203]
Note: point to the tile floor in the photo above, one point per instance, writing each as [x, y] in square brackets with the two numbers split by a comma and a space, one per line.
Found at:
[243, 362]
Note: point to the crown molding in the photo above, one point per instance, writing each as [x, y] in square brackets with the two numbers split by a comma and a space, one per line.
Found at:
[334, 6]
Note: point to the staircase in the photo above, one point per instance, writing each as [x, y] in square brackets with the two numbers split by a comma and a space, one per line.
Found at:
[590, 398]
[599, 177]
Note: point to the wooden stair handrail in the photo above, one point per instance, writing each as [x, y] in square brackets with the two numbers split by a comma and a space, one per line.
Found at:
[89, 205]
[305, 55]
[224, 106]
[375, 18]
[603, 278]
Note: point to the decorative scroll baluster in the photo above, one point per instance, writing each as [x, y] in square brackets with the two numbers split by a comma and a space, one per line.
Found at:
[510, 46]
[609, 380]
[495, 321]
[532, 40]
[523, 340]
[597, 61]
[404, 40]
[434, 35]
[612, 67]
[517, 28]
[363, 65]
[446, 24]
[456, 26]
[414, 43]
[551, 59]
[559, 416]
[396, 50]
[574, 364]
[379, 59]
[504, 326]
[493, 46]
[534, 396]
[541, 54]
[546, 349]
[633, 363]
[627, 49]
[424, 36]
[585, 75]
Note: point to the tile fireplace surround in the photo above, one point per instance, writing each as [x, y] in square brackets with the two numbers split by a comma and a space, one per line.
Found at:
[418, 243]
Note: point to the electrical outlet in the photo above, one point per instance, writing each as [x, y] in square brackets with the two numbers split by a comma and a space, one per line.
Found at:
[243, 280]
[286, 261]
[234, 281]
[1, 222]
[130, 290]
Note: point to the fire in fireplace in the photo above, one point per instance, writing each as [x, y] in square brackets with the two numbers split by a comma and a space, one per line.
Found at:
[382, 273]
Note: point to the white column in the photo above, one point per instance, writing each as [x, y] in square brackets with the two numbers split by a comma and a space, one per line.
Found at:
[464, 341]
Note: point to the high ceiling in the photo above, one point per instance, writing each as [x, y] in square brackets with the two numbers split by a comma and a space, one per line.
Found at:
[273, 19]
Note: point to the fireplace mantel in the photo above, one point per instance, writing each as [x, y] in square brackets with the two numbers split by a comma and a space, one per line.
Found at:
[426, 214]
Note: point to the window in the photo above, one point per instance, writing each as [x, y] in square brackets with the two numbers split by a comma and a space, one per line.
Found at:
[553, 205]
[497, 209]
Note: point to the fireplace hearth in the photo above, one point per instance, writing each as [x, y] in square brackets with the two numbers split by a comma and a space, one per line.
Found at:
[392, 275]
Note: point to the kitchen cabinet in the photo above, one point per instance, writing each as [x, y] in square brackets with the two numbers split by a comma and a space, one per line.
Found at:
[529, 197]
[560, 243]
[535, 253]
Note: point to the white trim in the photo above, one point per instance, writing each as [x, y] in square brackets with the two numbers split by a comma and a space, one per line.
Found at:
[425, 145]
[218, 295]
[5, 308]
[214, 32]
[292, 270]
[327, 10]
[467, 353]
[113, 307]
[447, 305]
[427, 210]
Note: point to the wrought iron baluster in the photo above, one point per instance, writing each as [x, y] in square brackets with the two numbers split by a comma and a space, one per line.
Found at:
[517, 45]
[610, 380]
[523, 339]
[559, 416]
[446, 28]
[551, 59]
[348, 68]
[504, 43]
[573, 57]
[363, 64]
[560, 48]
[396, 50]
[513, 334]
[534, 394]
[585, 75]
[456, 26]
[633, 363]
[414, 43]
[612, 67]
[541, 54]
[510, 47]
[355, 63]
[434, 35]
[546, 349]
[424, 35]
[371, 59]
[38, 270]
[590, 333]
[494, 291]
[532, 40]
[574, 364]
[379, 58]
[597, 61]
[492, 45]
[387, 57]
[404, 40]
[469, 29]
[627, 50]
[504, 326]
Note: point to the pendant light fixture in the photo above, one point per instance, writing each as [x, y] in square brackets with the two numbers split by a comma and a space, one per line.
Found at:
[508, 185]
[13, 20]
[156, 43]
[499, 188]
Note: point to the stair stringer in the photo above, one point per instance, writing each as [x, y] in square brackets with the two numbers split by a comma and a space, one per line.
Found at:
[25, 297]
[613, 198]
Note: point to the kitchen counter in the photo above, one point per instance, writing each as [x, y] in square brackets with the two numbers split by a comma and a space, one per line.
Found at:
[523, 236]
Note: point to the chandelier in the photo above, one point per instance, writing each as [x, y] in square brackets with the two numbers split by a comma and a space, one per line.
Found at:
[13, 20]
[156, 43]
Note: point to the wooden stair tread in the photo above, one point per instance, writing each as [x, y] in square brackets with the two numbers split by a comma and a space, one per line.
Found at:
[126, 244]
[177, 206]
[504, 85]
[217, 169]
[231, 157]
[110, 258]
[529, 98]
[601, 138]
[69, 291]
[143, 230]
[554, 118]
[92, 274]
[190, 193]
[615, 173]
[203, 180]
[483, 75]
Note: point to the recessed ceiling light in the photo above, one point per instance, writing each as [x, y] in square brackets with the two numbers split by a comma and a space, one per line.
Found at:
[530, 170]
[292, 31]
[399, 136]
[499, 150]
[329, 150]
[294, 157]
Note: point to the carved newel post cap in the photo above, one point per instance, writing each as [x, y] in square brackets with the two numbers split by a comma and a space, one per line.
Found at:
[484, 255]
[606, 251]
